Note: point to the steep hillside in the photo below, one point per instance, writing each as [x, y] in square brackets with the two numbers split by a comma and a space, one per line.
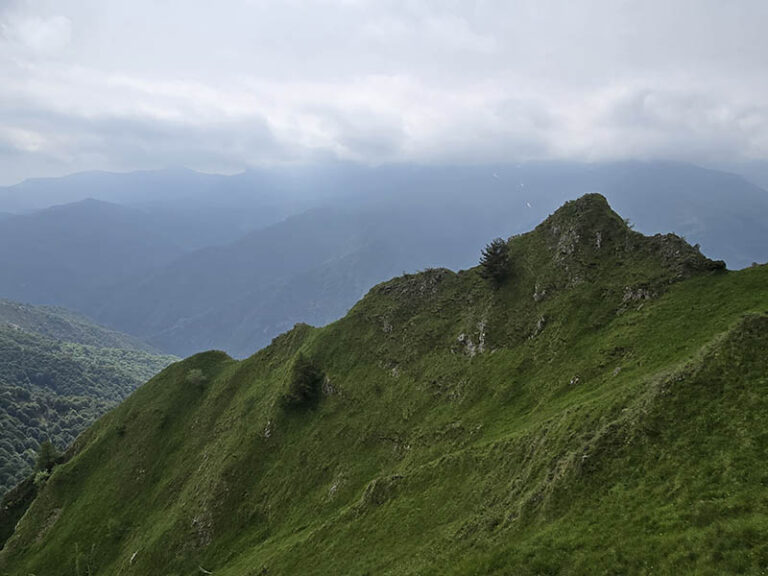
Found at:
[58, 373]
[600, 411]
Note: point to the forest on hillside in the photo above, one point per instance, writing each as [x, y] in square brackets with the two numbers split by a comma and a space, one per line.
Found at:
[53, 389]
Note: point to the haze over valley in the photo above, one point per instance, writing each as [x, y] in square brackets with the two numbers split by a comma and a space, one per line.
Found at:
[232, 269]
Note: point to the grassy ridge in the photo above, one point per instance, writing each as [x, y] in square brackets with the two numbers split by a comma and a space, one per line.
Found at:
[601, 412]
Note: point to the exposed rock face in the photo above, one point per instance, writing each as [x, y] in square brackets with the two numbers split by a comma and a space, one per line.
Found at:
[586, 234]
[327, 387]
[680, 257]
[637, 294]
[202, 526]
[420, 285]
[473, 344]
[540, 323]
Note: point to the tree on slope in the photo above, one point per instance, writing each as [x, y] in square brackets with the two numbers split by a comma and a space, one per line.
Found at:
[305, 382]
[494, 261]
[46, 456]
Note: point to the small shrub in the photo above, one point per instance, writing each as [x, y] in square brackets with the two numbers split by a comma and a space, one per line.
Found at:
[41, 477]
[305, 382]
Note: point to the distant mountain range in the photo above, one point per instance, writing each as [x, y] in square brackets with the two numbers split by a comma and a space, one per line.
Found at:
[72, 254]
[199, 261]
[192, 208]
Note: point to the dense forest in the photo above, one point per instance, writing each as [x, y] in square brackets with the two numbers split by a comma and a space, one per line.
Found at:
[52, 389]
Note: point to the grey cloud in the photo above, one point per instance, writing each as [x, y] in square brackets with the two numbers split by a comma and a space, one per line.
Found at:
[40, 35]
[105, 83]
[688, 125]
[124, 143]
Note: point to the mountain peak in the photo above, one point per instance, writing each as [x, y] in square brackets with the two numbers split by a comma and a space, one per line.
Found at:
[592, 202]
[586, 234]
[587, 216]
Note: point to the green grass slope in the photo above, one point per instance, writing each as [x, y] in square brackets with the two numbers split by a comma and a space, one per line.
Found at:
[600, 412]
[58, 373]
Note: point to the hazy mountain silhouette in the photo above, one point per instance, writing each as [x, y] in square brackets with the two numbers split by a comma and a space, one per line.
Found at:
[74, 254]
[313, 265]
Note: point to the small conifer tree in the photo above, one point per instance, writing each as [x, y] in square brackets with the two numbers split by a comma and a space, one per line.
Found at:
[495, 261]
[46, 456]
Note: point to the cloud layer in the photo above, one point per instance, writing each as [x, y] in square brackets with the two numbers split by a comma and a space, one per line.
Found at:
[103, 84]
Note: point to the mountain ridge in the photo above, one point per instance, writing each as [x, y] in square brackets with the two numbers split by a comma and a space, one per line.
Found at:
[599, 411]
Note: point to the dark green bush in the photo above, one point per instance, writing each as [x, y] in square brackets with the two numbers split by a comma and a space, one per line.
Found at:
[304, 384]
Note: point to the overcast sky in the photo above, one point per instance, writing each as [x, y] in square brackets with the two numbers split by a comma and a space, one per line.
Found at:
[220, 86]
